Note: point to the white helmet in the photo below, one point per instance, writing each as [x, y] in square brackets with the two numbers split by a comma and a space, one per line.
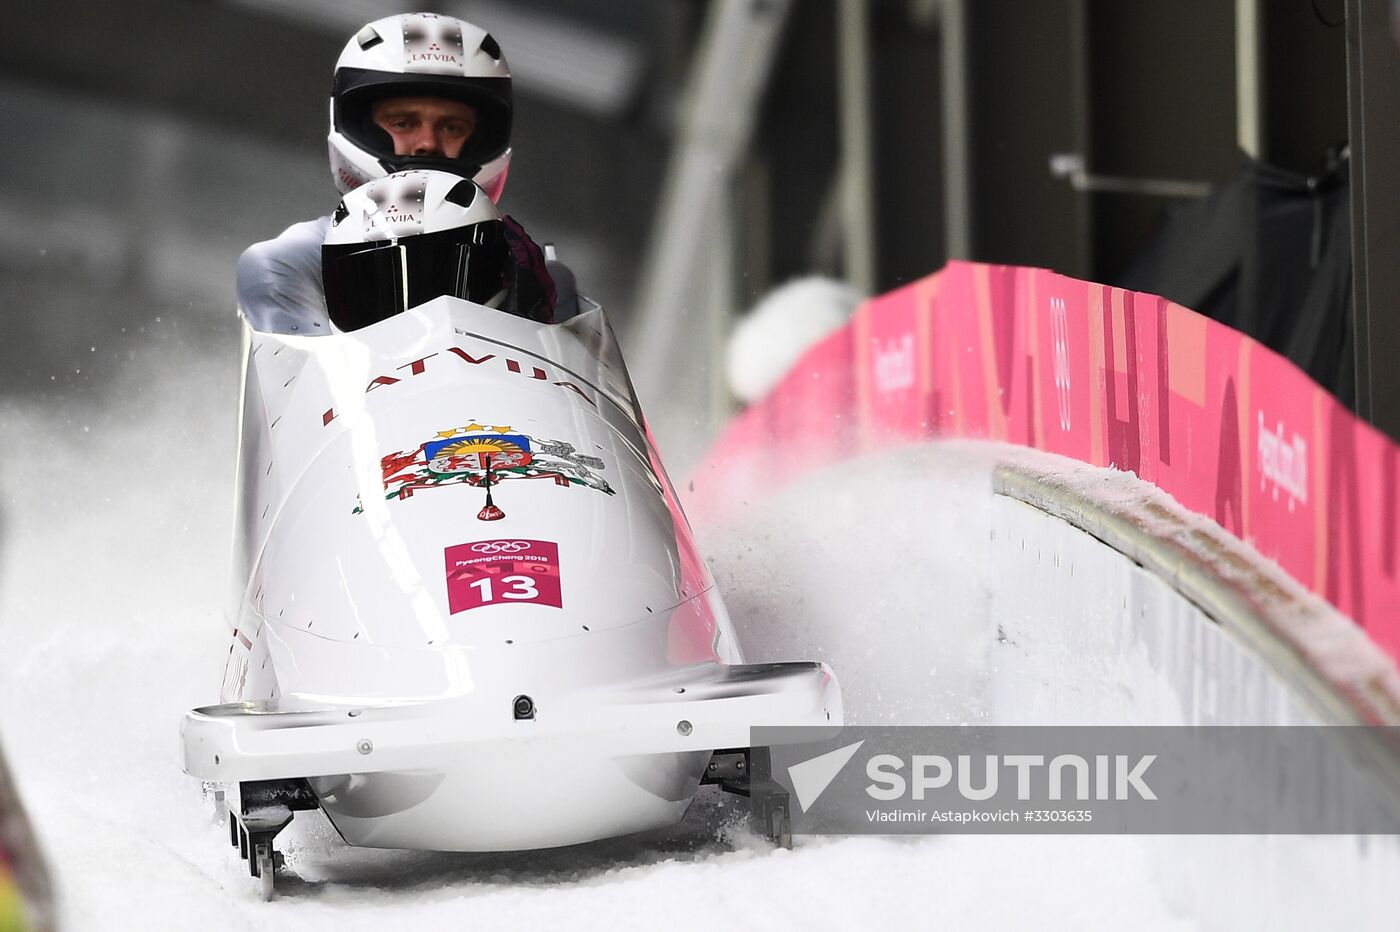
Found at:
[419, 54]
[397, 242]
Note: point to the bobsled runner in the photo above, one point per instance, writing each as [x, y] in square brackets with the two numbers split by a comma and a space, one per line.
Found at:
[468, 611]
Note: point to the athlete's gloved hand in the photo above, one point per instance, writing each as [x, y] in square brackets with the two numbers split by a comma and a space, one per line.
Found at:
[532, 293]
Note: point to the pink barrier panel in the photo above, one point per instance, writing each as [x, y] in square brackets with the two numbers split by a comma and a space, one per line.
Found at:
[1114, 378]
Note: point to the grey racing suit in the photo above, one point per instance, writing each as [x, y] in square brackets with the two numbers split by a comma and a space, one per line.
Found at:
[279, 281]
[280, 288]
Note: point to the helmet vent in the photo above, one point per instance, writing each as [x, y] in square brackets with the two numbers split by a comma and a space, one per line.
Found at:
[490, 47]
[462, 194]
[340, 214]
[368, 38]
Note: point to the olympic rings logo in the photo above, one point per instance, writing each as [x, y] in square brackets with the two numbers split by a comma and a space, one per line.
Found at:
[501, 546]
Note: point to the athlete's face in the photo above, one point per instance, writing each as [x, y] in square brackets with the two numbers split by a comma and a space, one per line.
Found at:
[431, 126]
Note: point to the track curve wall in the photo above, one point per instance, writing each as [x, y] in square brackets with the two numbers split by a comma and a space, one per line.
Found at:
[1293, 490]
[958, 582]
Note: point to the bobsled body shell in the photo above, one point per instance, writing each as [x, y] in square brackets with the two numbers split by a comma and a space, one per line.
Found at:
[388, 621]
[362, 566]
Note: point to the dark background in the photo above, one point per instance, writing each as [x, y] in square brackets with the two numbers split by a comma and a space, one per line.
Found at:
[147, 143]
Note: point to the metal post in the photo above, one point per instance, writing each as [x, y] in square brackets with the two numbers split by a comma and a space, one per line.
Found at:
[1248, 109]
[957, 128]
[858, 189]
[682, 311]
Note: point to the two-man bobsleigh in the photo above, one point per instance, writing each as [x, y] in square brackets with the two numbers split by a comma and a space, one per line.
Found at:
[468, 611]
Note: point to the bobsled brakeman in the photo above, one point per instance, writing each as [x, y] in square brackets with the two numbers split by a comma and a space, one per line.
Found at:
[469, 614]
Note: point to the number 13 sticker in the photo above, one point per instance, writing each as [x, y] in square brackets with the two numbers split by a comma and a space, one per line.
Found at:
[502, 572]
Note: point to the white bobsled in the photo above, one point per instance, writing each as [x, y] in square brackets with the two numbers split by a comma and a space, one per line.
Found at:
[469, 614]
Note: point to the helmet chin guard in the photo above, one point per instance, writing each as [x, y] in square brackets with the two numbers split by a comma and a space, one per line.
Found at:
[419, 55]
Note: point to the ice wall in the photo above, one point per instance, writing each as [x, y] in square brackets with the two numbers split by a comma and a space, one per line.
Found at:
[939, 598]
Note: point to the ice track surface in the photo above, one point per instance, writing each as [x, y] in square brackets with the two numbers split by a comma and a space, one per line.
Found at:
[112, 584]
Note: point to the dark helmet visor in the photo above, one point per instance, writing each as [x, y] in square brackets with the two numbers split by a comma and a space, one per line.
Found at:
[369, 282]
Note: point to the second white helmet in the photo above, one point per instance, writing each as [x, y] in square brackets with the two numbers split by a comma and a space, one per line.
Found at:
[399, 241]
[420, 55]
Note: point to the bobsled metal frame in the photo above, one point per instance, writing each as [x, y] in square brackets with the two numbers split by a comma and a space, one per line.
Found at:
[748, 772]
[263, 808]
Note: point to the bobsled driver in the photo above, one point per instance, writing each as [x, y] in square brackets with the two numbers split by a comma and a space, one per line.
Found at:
[414, 91]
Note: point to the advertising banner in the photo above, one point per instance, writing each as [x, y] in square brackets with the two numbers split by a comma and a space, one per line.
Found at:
[1114, 378]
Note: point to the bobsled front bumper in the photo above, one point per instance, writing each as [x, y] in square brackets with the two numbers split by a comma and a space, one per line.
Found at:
[452, 775]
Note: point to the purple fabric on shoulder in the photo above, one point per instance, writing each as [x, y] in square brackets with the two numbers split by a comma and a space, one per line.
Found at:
[532, 287]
